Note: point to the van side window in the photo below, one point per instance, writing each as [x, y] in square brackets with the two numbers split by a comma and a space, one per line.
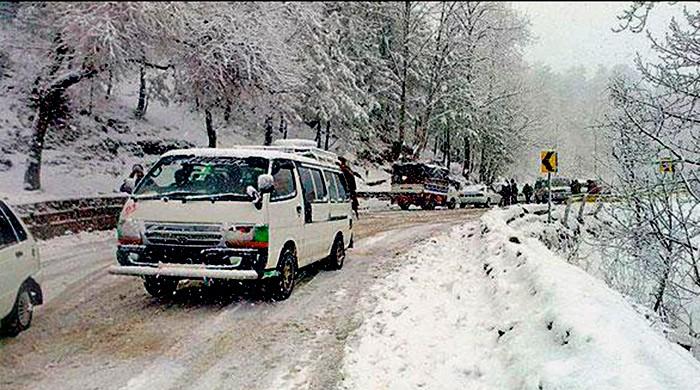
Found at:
[320, 185]
[332, 189]
[307, 184]
[14, 222]
[285, 186]
[7, 234]
[342, 187]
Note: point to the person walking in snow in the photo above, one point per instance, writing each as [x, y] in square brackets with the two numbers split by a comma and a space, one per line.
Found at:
[513, 192]
[505, 194]
[352, 185]
[527, 191]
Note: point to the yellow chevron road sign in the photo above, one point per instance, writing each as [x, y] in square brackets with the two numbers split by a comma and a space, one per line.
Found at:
[548, 161]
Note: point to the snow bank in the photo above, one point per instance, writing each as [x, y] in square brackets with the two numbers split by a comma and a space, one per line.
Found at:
[485, 306]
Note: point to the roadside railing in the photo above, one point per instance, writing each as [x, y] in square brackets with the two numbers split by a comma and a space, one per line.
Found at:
[58, 217]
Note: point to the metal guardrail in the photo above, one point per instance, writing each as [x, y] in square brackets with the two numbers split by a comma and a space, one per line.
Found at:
[58, 217]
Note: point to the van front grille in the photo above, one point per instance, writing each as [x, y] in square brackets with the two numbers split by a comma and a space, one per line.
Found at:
[178, 234]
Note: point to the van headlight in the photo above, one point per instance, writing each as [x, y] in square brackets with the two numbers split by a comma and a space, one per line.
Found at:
[247, 236]
[129, 232]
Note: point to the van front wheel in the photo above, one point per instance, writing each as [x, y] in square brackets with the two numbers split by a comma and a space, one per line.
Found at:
[280, 287]
[159, 286]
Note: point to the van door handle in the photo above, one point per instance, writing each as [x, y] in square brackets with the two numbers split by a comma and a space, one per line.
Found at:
[19, 254]
[299, 209]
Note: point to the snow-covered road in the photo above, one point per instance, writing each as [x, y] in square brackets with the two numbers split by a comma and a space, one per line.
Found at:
[100, 331]
[427, 299]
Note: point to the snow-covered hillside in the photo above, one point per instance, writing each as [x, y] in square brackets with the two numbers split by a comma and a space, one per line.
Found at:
[487, 307]
[97, 149]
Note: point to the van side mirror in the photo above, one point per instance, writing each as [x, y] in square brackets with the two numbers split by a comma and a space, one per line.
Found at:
[266, 183]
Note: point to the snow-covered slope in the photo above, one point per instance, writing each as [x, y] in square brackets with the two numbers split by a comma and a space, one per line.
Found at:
[485, 307]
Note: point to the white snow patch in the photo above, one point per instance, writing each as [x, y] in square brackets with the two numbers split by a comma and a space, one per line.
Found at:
[498, 310]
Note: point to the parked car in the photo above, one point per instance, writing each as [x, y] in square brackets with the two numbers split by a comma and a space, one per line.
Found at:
[561, 190]
[251, 213]
[19, 273]
[478, 195]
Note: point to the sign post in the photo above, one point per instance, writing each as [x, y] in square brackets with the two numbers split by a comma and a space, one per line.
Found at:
[549, 163]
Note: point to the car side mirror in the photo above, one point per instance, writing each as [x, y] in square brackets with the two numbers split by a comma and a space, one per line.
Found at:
[266, 183]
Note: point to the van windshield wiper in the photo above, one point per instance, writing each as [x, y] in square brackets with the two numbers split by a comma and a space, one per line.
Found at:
[222, 196]
[167, 195]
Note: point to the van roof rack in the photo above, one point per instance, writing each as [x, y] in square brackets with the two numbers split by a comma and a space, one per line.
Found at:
[303, 147]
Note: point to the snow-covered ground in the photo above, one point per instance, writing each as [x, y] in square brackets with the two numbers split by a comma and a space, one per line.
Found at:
[485, 306]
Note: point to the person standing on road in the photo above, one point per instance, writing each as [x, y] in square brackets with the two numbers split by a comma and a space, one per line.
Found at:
[513, 192]
[505, 194]
[352, 185]
[133, 180]
[527, 191]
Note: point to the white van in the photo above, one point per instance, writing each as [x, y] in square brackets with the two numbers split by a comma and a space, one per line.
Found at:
[19, 270]
[247, 213]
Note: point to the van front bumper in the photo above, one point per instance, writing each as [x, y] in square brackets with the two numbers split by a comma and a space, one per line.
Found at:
[185, 271]
[194, 263]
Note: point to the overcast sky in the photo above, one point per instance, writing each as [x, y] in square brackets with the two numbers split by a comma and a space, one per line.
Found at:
[569, 34]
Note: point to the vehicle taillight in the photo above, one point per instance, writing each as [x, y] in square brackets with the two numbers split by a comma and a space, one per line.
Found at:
[248, 236]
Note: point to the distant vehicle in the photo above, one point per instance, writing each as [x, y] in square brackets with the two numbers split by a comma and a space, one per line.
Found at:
[424, 185]
[478, 195]
[19, 270]
[561, 190]
[251, 213]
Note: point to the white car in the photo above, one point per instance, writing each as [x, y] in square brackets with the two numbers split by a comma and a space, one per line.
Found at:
[478, 195]
[251, 213]
[19, 270]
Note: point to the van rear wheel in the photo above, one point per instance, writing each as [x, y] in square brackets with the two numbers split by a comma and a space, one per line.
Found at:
[159, 286]
[337, 258]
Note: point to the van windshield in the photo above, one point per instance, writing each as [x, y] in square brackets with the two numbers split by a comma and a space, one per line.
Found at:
[198, 177]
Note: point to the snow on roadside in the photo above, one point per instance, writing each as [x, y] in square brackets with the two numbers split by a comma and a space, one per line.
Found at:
[485, 307]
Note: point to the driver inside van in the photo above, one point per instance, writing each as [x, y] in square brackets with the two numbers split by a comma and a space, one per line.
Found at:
[182, 175]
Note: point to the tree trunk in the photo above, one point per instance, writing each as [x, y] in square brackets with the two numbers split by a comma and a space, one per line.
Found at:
[92, 96]
[398, 144]
[109, 85]
[211, 133]
[328, 134]
[47, 101]
[268, 130]
[141, 106]
[659, 295]
[448, 148]
[318, 134]
[283, 127]
[483, 165]
[32, 175]
[227, 111]
[466, 166]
